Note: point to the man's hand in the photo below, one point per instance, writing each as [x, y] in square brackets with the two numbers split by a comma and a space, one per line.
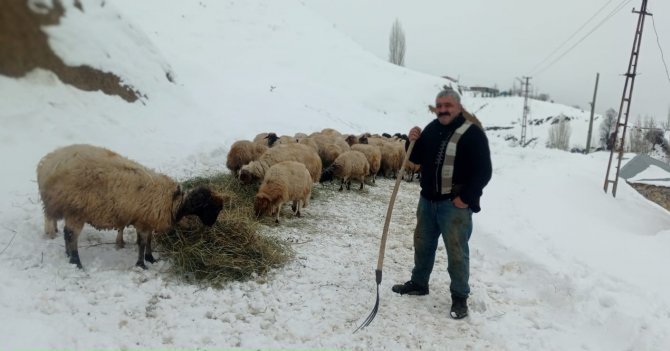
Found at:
[414, 133]
[459, 203]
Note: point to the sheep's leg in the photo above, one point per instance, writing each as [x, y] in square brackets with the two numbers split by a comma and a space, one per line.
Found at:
[71, 233]
[50, 228]
[148, 253]
[278, 210]
[297, 204]
[120, 244]
[341, 184]
[362, 181]
[142, 239]
[349, 184]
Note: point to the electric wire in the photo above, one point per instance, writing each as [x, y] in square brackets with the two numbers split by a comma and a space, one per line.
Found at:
[572, 35]
[658, 42]
[610, 15]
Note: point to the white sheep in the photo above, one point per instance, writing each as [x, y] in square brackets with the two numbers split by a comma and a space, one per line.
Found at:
[349, 165]
[285, 181]
[304, 154]
[89, 184]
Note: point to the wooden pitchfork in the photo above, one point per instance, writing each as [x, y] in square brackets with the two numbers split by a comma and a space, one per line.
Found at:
[382, 247]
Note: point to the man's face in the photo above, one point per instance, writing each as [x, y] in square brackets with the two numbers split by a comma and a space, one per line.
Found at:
[447, 108]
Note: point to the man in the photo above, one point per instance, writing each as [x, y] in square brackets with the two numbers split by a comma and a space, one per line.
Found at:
[455, 166]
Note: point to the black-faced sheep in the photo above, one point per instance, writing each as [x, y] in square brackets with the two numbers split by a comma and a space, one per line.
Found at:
[304, 154]
[352, 139]
[285, 181]
[242, 152]
[89, 184]
[349, 165]
[373, 155]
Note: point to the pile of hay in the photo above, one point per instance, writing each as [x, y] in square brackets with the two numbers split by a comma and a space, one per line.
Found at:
[230, 250]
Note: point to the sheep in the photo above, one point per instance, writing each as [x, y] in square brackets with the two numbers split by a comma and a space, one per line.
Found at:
[273, 139]
[351, 139]
[411, 169]
[373, 155]
[262, 138]
[89, 184]
[242, 152]
[285, 181]
[311, 143]
[331, 132]
[329, 147]
[349, 165]
[255, 170]
[393, 153]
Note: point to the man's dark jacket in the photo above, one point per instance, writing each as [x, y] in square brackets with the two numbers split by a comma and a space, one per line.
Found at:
[472, 165]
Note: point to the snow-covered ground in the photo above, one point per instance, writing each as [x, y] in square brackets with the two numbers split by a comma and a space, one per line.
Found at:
[557, 264]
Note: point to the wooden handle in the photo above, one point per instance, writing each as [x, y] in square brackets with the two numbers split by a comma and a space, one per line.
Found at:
[382, 247]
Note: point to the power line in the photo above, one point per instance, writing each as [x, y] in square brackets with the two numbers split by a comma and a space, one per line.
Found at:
[610, 15]
[572, 35]
[659, 48]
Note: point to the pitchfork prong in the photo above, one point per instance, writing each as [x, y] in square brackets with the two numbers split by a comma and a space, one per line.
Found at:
[372, 314]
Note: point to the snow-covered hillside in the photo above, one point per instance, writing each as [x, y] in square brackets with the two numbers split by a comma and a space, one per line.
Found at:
[556, 263]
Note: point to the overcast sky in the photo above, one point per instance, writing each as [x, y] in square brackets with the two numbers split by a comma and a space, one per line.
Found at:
[494, 42]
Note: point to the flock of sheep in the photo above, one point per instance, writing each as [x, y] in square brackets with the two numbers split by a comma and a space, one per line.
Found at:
[89, 184]
[288, 166]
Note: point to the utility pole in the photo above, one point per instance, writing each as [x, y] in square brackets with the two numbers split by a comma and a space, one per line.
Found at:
[620, 138]
[524, 121]
[593, 107]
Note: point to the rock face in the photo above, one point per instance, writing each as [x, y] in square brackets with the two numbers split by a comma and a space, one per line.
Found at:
[24, 47]
[657, 194]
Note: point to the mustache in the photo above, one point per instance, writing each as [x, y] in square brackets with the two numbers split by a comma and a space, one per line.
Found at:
[443, 114]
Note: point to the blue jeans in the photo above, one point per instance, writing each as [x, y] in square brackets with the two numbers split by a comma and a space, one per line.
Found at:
[455, 224]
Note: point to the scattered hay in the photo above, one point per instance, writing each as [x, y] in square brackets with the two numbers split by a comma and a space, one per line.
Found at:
[230, 250]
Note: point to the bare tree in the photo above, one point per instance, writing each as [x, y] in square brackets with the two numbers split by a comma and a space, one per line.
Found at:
[638, 144]
[397, 44]
[607, 127]
[559, 134]
[666, 124]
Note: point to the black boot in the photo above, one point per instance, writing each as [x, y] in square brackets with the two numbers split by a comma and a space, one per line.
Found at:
[410, 288]
[459, 307]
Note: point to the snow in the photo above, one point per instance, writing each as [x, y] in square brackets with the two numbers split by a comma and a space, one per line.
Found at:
[556, 263]
[653, 175]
